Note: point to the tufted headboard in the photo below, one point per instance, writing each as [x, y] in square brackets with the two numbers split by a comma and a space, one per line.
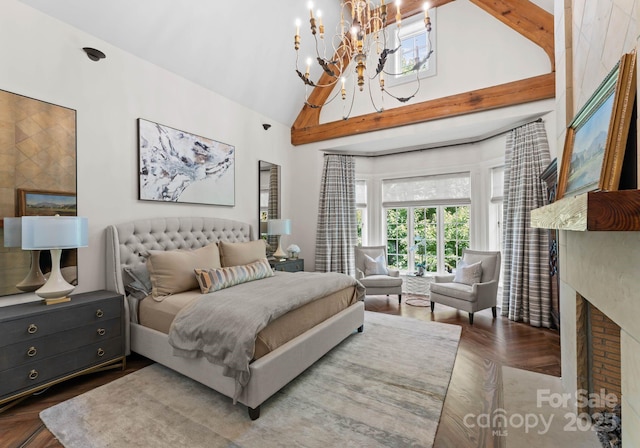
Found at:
[129, 243]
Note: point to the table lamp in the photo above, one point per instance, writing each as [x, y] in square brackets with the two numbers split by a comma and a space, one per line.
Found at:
[279, 227]
[13, 238]
[54, 233]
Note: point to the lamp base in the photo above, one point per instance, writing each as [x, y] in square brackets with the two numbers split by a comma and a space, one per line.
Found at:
[280, 254]
[58, 300]
[34, 278]
[56, 287]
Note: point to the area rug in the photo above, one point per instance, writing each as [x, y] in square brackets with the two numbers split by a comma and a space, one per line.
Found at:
[417, 301]
[384, 387]
[536, 415]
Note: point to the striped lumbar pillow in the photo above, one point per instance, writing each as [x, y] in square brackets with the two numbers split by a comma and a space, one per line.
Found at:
[215, 279]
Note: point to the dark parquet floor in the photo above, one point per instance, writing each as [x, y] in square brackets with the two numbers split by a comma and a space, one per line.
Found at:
[476, 384]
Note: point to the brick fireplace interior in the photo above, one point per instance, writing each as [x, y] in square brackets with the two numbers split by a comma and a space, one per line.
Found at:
[598, 352]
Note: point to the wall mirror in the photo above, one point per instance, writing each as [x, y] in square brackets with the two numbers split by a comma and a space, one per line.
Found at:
[269, 191]
[37, 177]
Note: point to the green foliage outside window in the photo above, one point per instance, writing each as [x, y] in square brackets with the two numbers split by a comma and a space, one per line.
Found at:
[359, 225]
[425, 236]
[456, 234]
[397, 238]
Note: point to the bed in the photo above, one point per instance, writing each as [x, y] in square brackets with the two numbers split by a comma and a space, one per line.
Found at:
[128, 245]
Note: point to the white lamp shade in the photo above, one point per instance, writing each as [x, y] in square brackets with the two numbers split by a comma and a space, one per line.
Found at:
[279, 227]
[12, 232]
[54, 232]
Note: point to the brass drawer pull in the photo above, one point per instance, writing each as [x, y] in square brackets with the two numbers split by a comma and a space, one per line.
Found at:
[32, 328]
[99, 313]
[32, 352]
[100, 352]
[101, 331]
[33, 374]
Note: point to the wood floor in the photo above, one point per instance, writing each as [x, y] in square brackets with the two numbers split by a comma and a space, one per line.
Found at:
[475, 386]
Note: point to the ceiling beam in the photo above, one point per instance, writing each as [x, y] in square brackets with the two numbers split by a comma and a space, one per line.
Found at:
[516, 92]
[523, 16]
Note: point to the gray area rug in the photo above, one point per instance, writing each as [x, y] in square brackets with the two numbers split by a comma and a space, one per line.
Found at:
[381, 388]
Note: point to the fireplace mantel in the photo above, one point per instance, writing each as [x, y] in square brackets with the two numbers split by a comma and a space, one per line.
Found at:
[595, 211]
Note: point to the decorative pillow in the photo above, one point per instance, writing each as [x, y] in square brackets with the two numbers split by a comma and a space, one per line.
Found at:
[377, 266]
[468, 273]
[239, 254]
[172, 271]
[215, 279]
[137, 281]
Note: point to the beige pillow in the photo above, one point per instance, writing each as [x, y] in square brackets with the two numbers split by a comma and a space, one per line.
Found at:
[172, 271]
[237, 254]
[468, 274]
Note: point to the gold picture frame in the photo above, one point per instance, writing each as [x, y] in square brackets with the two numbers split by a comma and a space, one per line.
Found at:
[45, 203]
[596, 139]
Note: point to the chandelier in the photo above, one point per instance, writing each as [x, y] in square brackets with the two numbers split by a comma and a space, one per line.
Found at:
[366, 37]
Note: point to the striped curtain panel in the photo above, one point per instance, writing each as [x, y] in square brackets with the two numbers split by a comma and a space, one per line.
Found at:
[527, 284]
[336, 233]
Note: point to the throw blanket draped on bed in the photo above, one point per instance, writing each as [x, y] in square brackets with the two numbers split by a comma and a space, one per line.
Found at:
[223, 325]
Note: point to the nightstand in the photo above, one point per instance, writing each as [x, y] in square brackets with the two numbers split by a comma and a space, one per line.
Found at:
[42, 345]
[289, 265]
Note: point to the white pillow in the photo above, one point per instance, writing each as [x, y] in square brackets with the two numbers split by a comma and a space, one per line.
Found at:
[375, 267]
[468, 273]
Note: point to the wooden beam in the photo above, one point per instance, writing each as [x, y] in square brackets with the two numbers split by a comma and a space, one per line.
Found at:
[526, 18]
[516, 92]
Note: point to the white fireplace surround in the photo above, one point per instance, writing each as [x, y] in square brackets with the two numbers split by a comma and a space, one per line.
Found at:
[604, 267]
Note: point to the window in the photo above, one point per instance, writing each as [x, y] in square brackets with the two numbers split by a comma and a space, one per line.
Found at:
[495, 208]
[414, 47]
[361, 211]
[428, 221]
[496, 212]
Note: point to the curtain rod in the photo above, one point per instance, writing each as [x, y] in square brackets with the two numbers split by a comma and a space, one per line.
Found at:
[538, 120]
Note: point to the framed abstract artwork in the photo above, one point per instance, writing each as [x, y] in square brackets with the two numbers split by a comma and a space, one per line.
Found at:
[597, 137]
[176, 166]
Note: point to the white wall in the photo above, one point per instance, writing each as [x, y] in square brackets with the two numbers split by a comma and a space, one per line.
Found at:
[42, 58]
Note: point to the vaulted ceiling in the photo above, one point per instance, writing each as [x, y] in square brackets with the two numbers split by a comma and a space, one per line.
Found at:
[244, 51]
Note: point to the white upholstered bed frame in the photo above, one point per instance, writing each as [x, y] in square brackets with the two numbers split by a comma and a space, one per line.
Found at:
[128, 243]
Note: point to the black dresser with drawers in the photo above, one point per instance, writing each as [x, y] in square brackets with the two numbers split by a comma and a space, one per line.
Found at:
[41, 345]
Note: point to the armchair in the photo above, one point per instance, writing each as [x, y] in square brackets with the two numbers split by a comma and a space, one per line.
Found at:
[373, 273]
[464, 295]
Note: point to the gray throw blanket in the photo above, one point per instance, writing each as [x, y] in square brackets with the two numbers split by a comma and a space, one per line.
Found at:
[222, 326]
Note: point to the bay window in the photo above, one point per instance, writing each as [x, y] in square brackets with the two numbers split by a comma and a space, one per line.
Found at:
[427, 221]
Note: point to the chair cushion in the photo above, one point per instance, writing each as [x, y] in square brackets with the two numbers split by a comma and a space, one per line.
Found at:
[456, 290]
[468, 274]
[380, 281]
[375, 266]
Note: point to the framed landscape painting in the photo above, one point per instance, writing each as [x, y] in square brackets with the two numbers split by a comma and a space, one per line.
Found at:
[176, 166]
[45, 203]
[597, 137]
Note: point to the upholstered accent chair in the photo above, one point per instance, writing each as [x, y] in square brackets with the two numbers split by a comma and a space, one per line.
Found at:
[474, 287]
[373, 273]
